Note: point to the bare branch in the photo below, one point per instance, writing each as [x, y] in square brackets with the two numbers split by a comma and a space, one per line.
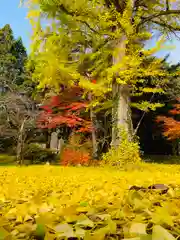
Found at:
[161, 13]
[172, 29]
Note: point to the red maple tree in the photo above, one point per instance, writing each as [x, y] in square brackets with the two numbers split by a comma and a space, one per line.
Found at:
[171, 124]
[67, 108]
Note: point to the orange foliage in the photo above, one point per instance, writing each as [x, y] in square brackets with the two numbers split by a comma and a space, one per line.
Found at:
[74, 157]
[171, 125]
[94, 81]
[77, 151]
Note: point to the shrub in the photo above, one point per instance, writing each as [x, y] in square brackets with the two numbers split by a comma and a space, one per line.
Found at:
[76, 152]
[7, 145]
[127, 153]
[38, 155]
[74, 157]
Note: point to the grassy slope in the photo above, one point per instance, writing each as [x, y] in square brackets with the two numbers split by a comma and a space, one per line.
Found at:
[25, 189]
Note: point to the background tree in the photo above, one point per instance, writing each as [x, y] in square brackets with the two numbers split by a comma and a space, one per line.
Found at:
[152, 140]
[171, 126]
[18, 115]
[65, 109]
[12, 60]
[66, 113]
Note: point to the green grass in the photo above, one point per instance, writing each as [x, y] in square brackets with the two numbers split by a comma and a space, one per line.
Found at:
[7, 160]
[89, 203]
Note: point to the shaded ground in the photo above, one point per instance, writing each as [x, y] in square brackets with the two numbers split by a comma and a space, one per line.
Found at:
[162, 159]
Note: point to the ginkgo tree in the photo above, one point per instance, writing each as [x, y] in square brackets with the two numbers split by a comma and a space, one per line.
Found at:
[103, 39]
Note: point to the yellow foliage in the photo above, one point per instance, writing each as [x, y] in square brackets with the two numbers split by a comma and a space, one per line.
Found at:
[127, 153]
[53, 201]
[52, 45]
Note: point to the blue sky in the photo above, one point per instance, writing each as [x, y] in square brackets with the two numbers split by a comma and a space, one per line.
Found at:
[11, 14]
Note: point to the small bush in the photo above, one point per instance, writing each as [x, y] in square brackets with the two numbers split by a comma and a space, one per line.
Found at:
[38, 155]
[74, 157]
[127, 153]
[79, 141]
[76, 152]
[7, 145]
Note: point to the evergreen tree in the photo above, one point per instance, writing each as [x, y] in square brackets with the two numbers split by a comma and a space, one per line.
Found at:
[12, 60]
[20, 54]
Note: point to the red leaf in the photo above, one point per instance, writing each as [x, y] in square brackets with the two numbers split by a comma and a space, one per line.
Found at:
[171, 126]
[66, 108]
[74, 157]
[55, 101]
[46, 108]
[94, 81]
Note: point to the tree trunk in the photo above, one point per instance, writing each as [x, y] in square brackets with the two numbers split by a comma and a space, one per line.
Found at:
[20, 144]
[48, 138]
[121, 112]
[175, 148]
[94, 139]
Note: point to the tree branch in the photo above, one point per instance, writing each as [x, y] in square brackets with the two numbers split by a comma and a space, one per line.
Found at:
[161, 13]
[75, 14]
[142, 117]
[167, 26]
[102, 44]
[108, 3]
[139, 3]
[167, 5]
[87, 24]
[63, 9]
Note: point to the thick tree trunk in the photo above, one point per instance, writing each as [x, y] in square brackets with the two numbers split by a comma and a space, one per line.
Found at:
[121, 112]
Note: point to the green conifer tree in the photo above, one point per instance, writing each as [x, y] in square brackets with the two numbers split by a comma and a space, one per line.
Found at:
[12, 60]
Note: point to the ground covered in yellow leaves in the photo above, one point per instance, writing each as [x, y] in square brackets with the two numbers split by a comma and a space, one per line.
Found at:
[48, 202]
